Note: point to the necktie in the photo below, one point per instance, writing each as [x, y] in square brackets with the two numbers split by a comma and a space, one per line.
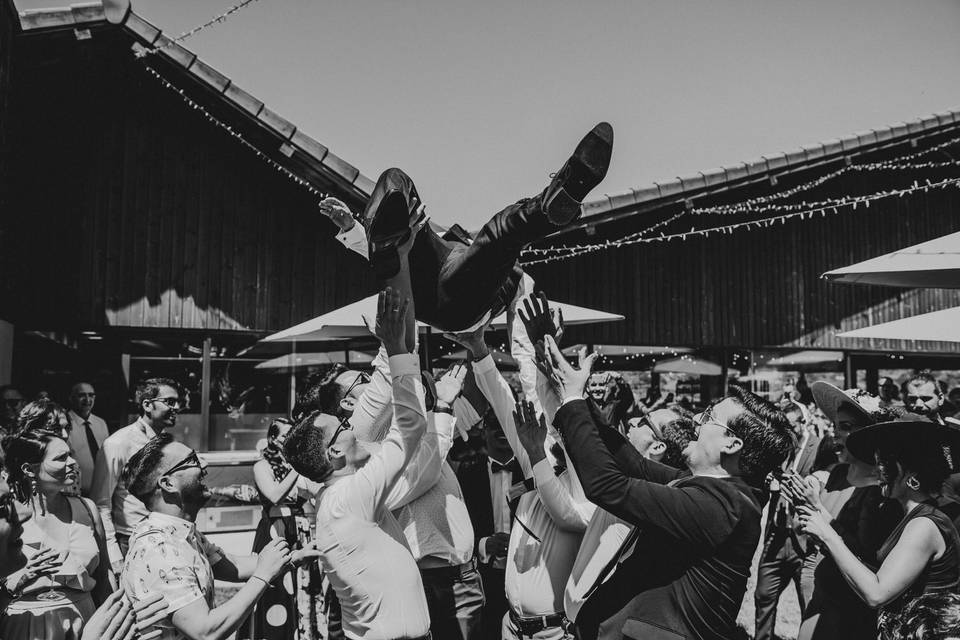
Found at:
[91, 440]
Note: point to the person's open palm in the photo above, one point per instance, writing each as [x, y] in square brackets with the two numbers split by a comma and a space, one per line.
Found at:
[450, 384]
[338, 212]
[568, 381]
[391, 324]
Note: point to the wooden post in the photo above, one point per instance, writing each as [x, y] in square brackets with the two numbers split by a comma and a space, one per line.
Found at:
[205, 395]
[425, 350]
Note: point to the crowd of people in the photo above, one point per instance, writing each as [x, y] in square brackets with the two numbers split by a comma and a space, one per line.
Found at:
[399, 505]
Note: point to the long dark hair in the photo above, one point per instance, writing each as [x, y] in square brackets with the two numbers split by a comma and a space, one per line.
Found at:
[26, 447]
[42, 415]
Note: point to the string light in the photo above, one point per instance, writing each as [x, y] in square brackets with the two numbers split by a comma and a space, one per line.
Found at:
[141, 53]
[236, 136]
[822, 208]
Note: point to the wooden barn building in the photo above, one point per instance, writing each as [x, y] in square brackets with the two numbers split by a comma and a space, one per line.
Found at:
[157, 219]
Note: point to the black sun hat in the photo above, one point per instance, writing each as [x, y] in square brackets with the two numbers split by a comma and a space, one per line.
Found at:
[907, 430]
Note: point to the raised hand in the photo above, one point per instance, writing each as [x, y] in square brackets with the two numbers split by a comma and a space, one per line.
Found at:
[472, 341]
[338, 212]
[450, 384]
[308, 553]
[532, 432]
[391, 326]
[568, 381]
[539, 319]
[272, 560]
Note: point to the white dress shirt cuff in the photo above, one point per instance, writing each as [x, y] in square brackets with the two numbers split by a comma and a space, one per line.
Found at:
[404, 364]
[543, 472]
[355, 239]
[485, 365]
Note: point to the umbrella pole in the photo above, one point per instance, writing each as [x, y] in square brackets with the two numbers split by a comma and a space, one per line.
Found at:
[293, 377]
[425, 350]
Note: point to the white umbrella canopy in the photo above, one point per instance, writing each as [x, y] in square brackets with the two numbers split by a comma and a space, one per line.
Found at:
[690, 365]
[935, 264]
[941, 326]
[298, 360]
[347, 322]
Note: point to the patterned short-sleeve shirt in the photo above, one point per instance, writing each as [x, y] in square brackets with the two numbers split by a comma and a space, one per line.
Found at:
[168, 554]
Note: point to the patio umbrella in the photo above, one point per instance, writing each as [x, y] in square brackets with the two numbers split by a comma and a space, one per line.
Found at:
[941, 326]
[935, 263]
[689, 365]
[293, 361]
[347, 322]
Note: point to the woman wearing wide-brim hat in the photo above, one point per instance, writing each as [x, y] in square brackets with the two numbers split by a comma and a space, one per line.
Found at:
[851, 501]
[921, 558]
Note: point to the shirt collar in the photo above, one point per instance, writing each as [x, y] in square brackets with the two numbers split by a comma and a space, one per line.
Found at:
[173, 524]
[146, 428]
[75, 417]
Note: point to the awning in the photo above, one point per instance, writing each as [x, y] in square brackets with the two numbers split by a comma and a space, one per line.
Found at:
[940, 326]
[934, 264]
[347, 322]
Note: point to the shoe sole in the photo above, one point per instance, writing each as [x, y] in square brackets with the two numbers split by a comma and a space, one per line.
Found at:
[386, 232]
[588, 167]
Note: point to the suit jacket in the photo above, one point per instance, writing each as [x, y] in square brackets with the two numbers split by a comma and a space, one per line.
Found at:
[686, 574]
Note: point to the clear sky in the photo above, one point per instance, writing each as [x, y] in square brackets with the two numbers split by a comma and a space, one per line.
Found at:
[480, 100]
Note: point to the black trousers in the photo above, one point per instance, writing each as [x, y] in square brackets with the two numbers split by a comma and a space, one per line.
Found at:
[455, 600]
[780, 564]
[454, 284]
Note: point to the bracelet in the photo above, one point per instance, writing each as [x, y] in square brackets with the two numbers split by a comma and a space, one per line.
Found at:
[256, 577]
[447, 409]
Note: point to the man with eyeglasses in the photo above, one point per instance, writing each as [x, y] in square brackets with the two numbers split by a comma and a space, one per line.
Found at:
[159, 403]
[87, 432]
[682, 572]
[167, 554]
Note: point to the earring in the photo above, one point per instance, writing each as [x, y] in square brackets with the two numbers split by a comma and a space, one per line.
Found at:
[913, 483]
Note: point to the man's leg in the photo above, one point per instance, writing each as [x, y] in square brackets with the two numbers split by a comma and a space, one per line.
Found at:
[438, 587]
[771, 581]
[470, 599]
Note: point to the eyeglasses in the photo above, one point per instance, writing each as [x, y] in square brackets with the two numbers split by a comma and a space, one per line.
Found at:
[343, 426]
[645, 421]
[923, 399]
[362, 378]
[707, 418]
[173, 403]
[190, 462]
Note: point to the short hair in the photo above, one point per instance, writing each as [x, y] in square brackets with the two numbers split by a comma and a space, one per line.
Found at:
[140, 475]
[149, 389]
[929, 616]
[42, 415]
[274, 429]
[922, 378]
[676, 435]
[26, 447]
[768, 439]
[922, 455]
[305, 449]
[321, 393]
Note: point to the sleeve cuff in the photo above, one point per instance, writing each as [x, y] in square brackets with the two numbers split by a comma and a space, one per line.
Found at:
[484, 366]
[482, 550]
[543, 472]
[404, 364]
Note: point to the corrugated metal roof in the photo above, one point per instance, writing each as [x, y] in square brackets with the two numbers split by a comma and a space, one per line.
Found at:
[616, 205]
[146, 34]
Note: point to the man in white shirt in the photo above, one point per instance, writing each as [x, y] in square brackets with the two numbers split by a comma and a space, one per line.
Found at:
[159, 402]
[363, 549]
[87, 432]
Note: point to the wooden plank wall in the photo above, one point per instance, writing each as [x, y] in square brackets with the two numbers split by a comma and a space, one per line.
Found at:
[131, 209]
[761, 287]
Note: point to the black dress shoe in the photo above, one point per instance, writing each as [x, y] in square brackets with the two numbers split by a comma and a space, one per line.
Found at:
[389, 219]
[583, 171]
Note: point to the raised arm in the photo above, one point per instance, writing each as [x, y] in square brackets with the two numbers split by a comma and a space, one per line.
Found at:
[918, 544]
[569, 512]
[272, 489]
[424, 469]
[351, 234]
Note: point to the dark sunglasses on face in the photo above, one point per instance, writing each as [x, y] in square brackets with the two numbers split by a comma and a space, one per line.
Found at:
[190, 462]
[362, 378]
[706, 418]
[343, 426]
[923, 399]
[645, 421]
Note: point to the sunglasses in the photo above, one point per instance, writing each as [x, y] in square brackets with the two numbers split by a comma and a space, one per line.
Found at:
[645, 421]
[707, 418]
[923, 399]
[362, 378]
[343, 426]
[173, 403]
[190, 462]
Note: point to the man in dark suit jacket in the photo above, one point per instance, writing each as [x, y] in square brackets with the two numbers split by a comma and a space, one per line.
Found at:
[683, 572]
